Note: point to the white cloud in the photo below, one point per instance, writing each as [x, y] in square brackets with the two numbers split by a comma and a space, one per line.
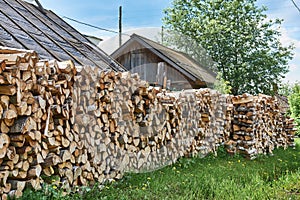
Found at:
[288, 37]
[293, 67]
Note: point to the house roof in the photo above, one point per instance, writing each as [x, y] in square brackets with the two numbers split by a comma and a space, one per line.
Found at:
[111, 44]
[180, 61]
[26, 26]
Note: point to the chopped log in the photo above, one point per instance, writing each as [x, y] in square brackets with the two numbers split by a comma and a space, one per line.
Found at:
[4, 127]
[24, 124]
[8, 90]
[34, 171]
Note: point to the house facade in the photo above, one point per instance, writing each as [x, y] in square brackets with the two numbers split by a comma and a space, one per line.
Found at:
[162, 66]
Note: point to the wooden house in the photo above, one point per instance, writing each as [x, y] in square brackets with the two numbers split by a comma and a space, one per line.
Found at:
[162, 66]
[283, 103]
[27, 26]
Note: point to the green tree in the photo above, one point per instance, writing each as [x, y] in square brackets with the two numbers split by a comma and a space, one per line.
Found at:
[238, 37]
[221, 85]
[294, 102]
[285, 89]
[189, 46]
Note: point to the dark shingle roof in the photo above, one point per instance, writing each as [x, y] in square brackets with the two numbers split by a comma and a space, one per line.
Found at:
[24, 25]
[179, 60]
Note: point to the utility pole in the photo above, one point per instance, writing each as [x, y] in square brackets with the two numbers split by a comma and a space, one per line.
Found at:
[162, 35]
[40, 6]
[120, 26]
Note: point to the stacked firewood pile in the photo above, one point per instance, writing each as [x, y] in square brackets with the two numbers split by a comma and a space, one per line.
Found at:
[21, 112]
[34, 116]
[83, 125]
[213, 127]
[127, 125]
[259, 126]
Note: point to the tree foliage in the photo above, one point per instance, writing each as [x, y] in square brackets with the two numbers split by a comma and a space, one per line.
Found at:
[184, 43]
[221, 85]
[294, 102]
[238, 37]
[285, 89]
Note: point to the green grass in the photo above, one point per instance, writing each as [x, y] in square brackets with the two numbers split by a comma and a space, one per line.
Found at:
[221, 177]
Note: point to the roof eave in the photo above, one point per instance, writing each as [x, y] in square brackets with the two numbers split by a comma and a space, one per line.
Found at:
[165, 58]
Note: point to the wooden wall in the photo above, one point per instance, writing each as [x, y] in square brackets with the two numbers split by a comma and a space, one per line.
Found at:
[138, 59]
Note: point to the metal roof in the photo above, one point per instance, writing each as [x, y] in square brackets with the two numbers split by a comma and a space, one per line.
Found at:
[26, 26]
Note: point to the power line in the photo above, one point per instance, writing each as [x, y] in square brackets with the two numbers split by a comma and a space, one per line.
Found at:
[296, 5]
[90, 25]
[93, 26]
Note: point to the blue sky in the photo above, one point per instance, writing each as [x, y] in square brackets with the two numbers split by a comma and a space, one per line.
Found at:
[148, 13]
[104, 13]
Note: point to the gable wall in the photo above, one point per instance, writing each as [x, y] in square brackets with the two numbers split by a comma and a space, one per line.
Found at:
[138, 59]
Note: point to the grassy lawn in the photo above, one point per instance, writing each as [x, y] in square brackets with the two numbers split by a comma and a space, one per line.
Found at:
[221, 177]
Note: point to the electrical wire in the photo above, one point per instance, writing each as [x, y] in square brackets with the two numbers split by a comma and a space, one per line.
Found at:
[93, 26]
[296, 5]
